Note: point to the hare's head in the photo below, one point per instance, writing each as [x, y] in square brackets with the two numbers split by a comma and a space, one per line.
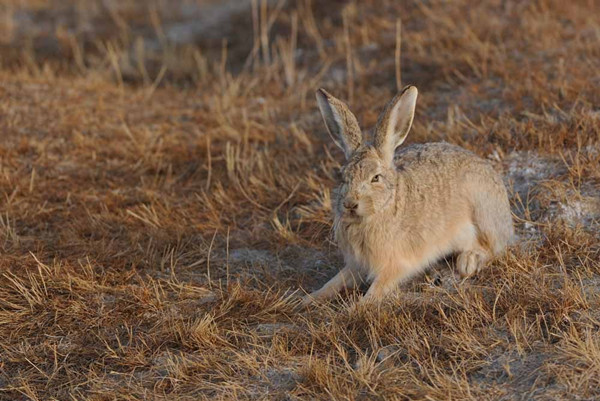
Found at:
[368, 179]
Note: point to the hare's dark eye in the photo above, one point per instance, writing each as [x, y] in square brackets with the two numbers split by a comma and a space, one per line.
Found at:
[376, 178]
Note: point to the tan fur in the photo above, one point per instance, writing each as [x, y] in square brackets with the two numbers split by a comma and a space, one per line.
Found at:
[430, 200]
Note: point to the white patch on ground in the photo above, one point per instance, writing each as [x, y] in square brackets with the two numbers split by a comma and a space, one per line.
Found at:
[207, 20]
[525, 170]
[592, 150]
[282, 379]
[252, 256]
[518, 372]
[585, 211]
[169, 363]
[270, 329]
[594, 114]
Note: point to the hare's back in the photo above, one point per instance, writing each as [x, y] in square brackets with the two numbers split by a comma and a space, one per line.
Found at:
[441, 159]
[453, 184]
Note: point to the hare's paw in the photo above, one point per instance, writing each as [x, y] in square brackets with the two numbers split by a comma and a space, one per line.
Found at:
[307, 300]
[310, 299]
[470, 262]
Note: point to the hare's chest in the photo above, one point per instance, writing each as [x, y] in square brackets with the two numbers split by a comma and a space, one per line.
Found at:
[369, 245]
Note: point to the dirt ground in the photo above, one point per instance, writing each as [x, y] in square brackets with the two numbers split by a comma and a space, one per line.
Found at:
[165, 181]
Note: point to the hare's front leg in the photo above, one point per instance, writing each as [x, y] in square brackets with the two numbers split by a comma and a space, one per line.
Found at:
[385, 282]
[348, 277]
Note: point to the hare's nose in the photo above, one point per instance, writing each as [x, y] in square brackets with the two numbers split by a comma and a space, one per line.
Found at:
[350, 205]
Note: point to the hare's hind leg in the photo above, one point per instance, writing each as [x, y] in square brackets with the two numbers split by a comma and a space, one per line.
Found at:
[472, 254]
[493, 219]
[492, 230]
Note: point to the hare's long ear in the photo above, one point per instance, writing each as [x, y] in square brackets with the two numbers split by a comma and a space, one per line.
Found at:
[341, 123]
[395, 122]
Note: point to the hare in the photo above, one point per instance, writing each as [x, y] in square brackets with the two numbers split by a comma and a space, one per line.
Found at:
[394, 215]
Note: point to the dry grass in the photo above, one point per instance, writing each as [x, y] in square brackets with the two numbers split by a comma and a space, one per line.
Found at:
[164, 192]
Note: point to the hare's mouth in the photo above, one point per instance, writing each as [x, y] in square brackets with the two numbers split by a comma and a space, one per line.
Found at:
[351, 215]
